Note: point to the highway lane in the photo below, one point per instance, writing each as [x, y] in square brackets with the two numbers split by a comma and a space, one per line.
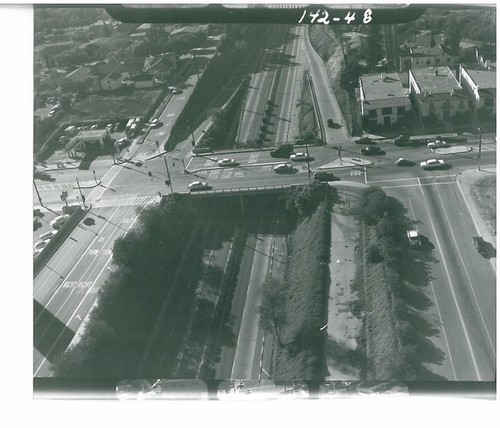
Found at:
[461, 284]
[66, 288]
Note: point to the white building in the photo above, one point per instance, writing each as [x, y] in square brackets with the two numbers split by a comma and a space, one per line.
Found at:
[480, 84]
[384, 101]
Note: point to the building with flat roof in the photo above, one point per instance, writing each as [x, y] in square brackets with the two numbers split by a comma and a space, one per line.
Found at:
[436, 93]
[481, 85]
[384, 101]
[85, 140]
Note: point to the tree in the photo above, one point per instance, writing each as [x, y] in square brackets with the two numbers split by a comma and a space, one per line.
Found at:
[349, 76]
[452, 34]
[272, 306]
[372, 49]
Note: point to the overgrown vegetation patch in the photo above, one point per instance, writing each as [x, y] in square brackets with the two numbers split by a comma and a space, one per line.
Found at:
[484, 194]
[307, 124]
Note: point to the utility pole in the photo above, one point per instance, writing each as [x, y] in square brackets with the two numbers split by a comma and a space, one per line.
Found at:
[158, 147]
[38, 194]
[168, 174]
[81, 194]
[479, 153]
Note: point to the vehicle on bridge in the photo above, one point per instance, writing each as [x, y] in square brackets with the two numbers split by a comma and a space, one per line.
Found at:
[433, 164]
[404, 162]
[300, 156]
[371, 150]
[198, 185]
[283, 151]
[364, 140]
[283, 168]
[325, 176]
[227, 162]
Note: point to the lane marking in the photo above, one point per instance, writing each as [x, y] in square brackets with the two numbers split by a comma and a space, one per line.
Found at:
[468, 277]
[455, 300]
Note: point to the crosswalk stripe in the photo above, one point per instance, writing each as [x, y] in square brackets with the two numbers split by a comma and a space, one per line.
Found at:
[123, 202]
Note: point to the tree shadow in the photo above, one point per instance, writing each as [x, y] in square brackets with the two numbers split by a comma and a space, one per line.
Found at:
[346, 360]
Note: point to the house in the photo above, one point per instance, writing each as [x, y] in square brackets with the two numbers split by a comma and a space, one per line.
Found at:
[486, 55]
[143, 80]
[384, 102]
[159, 64]
[480, 84]
[83, 75]
[421, 57]
[353, 41]
[134, 66]
[436, 93]
[112, 81]
[189, 29]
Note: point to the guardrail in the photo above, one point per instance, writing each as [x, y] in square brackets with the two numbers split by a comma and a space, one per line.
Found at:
[259, 189]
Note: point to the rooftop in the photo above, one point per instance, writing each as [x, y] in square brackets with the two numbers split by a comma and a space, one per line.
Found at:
[485, 79]
[435, 79]
[382, 86]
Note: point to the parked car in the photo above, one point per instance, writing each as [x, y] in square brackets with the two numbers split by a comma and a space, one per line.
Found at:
[433, 164]
[40, 245]
[324, 176]
[122, 143]
[155, 123]
[300, 156]
[227, 162]
[197, 185]
[364, 140]
[413, 237]
[371, 150]
[47, 235]
[283, 151]
[59, 221]
[283, 168]
[93, 127]
[404, 162]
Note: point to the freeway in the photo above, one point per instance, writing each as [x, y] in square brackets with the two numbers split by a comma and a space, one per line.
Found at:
[460, 284]
[66, 288]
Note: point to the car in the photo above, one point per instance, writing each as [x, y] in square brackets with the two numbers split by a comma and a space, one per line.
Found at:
[93, 127]
[155, 123]
[364, 140]
[404, 162]
[40, 245]
[283, 168]
[433, 164]
[109, 127]
[176, 91]
[197, 185]
[324, 176]
[117, 126]
[299, 156]
[47, 235]
[413, 237]
[59, 221]
[437, 144]
[371, 150]
[333, 124]
[121, 143]
[282, 151]
[226, 162]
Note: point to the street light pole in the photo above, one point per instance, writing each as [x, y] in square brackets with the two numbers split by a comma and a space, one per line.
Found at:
[168, 174]
[81, 194]
[479, 153]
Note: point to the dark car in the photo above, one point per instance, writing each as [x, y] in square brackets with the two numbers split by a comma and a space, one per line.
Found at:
[371, 150]
[324, 176]
[404, 162]
[283, 151]
[332, 124]
[364, 140]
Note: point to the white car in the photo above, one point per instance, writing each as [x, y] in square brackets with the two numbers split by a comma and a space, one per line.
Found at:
[299, 157]
[433, 164]
[437, 144]
[197, 185]
[47, 235]
[283, 168]
[59, 221]
[155, 123]
[226, 162]
[413, 237]
[39, 246]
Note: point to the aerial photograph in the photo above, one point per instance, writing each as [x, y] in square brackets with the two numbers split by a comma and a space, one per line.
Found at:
[269, 202]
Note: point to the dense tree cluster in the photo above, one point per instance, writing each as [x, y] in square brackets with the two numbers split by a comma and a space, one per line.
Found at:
[54, 18]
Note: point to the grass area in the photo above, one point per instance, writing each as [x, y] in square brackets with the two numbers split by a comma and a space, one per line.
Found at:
[307, 125]
[120, 104]
[484, 194]
[306, 294]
